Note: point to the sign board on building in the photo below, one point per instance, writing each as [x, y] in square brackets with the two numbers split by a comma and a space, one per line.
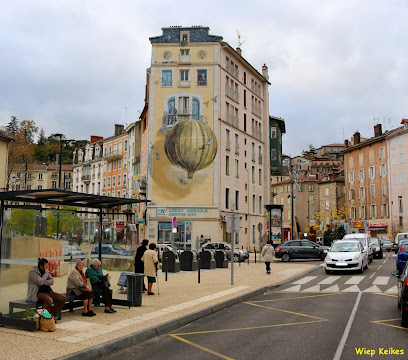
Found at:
[161, 212]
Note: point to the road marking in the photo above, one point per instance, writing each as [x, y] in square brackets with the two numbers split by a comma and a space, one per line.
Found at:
[334, 288]
[286, 311]
[201, 347]
[381, 322]
[315, 288]
[381, 280]
[329, 280]
[353, 288]
[393, 290]
[355, 280]
[387, 294]
[380, 266]
[304, 280]
[371, 275]
[293, 298]
[340, 348]
[295, 288]
[373, 289]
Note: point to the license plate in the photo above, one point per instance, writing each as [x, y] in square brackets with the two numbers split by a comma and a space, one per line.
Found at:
[341, 264]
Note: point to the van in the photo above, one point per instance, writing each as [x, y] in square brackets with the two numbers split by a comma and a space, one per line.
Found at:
[365, 241]
[398, 239]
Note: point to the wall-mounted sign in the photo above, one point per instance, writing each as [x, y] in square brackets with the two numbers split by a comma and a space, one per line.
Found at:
[358, 224]
[161, 212]
[181, 212]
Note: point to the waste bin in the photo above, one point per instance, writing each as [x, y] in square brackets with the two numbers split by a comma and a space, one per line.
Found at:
[221, 259]
[171, 262]
[189, 260]
[207, 259]
[135, 287]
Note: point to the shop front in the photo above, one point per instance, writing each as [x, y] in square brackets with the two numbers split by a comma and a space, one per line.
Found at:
[378, 229]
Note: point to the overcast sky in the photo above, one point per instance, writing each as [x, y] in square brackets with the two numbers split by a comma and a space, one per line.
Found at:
[73, 65]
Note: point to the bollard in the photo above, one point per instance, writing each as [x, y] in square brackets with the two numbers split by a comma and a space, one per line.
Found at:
[248, 257]
[255, 257]
[167, 266]
[199, 266]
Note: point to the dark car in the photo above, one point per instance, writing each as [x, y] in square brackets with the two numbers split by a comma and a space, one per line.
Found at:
[376, 244]
[402, 255]
[300, 249]
[239, 254]
[388, 245]
[110, 249]
[403, 294]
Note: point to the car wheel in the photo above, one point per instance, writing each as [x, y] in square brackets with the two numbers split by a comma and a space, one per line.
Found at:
[404, 320]
[381, 256]
[322, 256]
[327, 271]
[366, 266]
[399, 304]
[285, 257]
[371, 258]
[361, 270]
[236, 258]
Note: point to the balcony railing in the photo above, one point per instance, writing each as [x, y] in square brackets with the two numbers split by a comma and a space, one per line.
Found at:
[232, 70]
[169, 120]
[86, 177]
[54, 176]
[256, 110]
[257, 134]
[260, 159]
[232, 120]
[202, 83]
[237, 149]
[231, 93]
[256, 90]
[184, 83]
[185, 59]
[228, 144]
[253, 157]
[113, 155]
[166, 82]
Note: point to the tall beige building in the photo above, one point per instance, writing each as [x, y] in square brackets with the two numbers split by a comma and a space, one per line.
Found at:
[4, 145]
[207, 140]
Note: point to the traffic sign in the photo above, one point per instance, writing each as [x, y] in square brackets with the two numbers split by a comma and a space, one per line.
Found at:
[174, 224]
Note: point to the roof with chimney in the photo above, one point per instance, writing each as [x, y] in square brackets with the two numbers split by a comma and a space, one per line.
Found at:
[197, 34]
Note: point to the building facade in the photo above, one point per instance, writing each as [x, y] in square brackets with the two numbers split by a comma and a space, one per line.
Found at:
[277, 129]
[208, 140]
[53, 176]
[398, 187]
[4, 152]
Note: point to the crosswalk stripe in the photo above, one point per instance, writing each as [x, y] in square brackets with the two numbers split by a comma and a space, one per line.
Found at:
[355, 280]
[381, 280]
[315, 288]
[353, 288]
[329, 280]
[393, 290]
[295, 288]
[373, 289]
[304, 280]
[334, 288]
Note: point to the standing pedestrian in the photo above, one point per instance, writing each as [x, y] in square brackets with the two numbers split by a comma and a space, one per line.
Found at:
[150, 266]
[268, 253]
[139, 265]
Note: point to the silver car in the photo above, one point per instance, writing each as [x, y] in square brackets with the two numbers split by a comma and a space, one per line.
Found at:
[239, 254]
[388, 245]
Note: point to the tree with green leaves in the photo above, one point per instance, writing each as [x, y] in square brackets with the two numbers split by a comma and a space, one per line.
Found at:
[22, 221]
[12, 126]
[339, 232]
[41, 138]
[328, 236]
[69, 223]
[27, 130]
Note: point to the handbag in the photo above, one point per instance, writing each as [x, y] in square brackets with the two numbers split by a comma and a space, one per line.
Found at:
[105, 282]
[46, 323]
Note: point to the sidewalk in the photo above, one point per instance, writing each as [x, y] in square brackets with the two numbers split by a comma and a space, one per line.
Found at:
[180, 296]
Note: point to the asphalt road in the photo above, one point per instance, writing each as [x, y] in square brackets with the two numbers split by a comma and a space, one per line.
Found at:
[318, 316]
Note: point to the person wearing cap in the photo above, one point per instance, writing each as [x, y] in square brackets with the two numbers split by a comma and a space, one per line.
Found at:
[39, 288]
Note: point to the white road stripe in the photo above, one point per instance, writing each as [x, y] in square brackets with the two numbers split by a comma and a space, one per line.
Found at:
[381, 280]
[315, 288]
[353, 288]
[295, 288]
[329, 280]
[355, 280]
[371, 275]
[340, 348]
[373, 289]
[334, 288]
[393, 290]
[304, 280]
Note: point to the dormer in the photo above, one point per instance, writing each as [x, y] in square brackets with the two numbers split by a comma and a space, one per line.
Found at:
[404, 122]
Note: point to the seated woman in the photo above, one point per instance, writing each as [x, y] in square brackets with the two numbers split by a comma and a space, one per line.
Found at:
[95, 275]
[78, 286]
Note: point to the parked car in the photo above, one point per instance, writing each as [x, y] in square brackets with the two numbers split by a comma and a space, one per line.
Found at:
[346, 255]
[388, 245]
[160, 248]
[402, 255]
[376, 244]
[76, 252]
[111, 249]
[300, 249]
[399, 239]
[365, 241]
[239, 254]
[403, 294]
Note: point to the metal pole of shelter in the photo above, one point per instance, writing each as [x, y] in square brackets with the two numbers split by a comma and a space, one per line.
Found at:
[1, 230]
[100, 235]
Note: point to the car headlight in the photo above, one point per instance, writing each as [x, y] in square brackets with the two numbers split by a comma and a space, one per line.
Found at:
[328, 258]
[357, 257]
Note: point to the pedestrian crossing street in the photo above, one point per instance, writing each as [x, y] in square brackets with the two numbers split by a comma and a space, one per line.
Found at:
[335, 283]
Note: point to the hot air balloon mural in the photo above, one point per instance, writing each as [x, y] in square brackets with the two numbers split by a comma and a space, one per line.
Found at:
[191, 144]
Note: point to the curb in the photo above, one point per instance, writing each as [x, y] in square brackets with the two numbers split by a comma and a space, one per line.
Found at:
[110, 347]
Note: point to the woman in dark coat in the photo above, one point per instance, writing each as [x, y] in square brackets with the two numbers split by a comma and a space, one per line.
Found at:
[139, 265]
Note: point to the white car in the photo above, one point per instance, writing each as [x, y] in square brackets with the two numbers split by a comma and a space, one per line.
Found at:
[346, 255]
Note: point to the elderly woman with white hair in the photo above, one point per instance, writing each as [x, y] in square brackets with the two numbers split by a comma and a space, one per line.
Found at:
[78, 285]
[95, 275]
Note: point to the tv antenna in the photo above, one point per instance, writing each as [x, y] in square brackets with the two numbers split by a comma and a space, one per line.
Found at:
[239, 39]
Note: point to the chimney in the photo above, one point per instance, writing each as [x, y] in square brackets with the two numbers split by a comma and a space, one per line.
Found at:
[356, 138]
[265, 72]
[377, 130]
[239, 51]
[119, 129]
[346, 143]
